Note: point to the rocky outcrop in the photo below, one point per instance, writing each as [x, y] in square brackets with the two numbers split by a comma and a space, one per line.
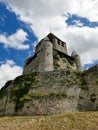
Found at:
[50, 93]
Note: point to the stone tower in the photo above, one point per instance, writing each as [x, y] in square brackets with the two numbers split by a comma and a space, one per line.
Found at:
[77, 60]
[51, 54]
[46, 55]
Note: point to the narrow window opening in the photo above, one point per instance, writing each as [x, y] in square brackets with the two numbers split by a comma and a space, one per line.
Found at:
[59, 42]
[62, 44]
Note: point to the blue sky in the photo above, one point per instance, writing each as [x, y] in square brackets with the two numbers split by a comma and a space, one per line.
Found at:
[23, 24]
[9, 24]
[73, 19]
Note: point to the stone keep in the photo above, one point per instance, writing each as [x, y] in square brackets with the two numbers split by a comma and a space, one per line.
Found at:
[51, 54]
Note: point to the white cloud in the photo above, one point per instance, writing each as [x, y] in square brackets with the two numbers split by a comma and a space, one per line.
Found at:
[8, 71]
[16, 40]
[44, 16]
[85, 8]
[84, 40]
[77, 23]
[45, 8]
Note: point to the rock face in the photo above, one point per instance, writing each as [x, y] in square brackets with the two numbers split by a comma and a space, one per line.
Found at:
[51, 92]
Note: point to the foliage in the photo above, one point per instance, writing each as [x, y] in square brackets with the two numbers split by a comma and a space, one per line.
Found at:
[51, 94]
[26, 97]
[19, 92]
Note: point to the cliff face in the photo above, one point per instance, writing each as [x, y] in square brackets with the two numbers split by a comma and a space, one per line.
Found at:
[50, 93]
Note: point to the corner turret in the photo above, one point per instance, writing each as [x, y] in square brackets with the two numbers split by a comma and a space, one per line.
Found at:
[77, 60]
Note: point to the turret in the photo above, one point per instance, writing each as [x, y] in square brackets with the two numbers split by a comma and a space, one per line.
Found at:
[77, 60]
[46, 55]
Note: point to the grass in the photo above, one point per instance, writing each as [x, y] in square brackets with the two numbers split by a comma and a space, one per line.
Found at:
[58, 94]
[67, 121]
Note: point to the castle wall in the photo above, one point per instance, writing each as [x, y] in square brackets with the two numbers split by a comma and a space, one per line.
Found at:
[32, 66]
[61, 61]
[51, 92]
[89, 93]
[59, 45]
[45, 59]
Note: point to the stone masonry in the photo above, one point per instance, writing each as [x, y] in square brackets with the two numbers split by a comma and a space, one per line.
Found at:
[51, 54]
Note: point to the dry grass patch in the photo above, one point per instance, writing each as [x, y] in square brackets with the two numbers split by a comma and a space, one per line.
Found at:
[67, 121]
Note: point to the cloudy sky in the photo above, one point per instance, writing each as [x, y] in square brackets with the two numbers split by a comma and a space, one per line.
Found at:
[24, 22]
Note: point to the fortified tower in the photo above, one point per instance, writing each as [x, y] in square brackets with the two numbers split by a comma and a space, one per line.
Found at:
[45, 53]
[77, 60]
[51, 54]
